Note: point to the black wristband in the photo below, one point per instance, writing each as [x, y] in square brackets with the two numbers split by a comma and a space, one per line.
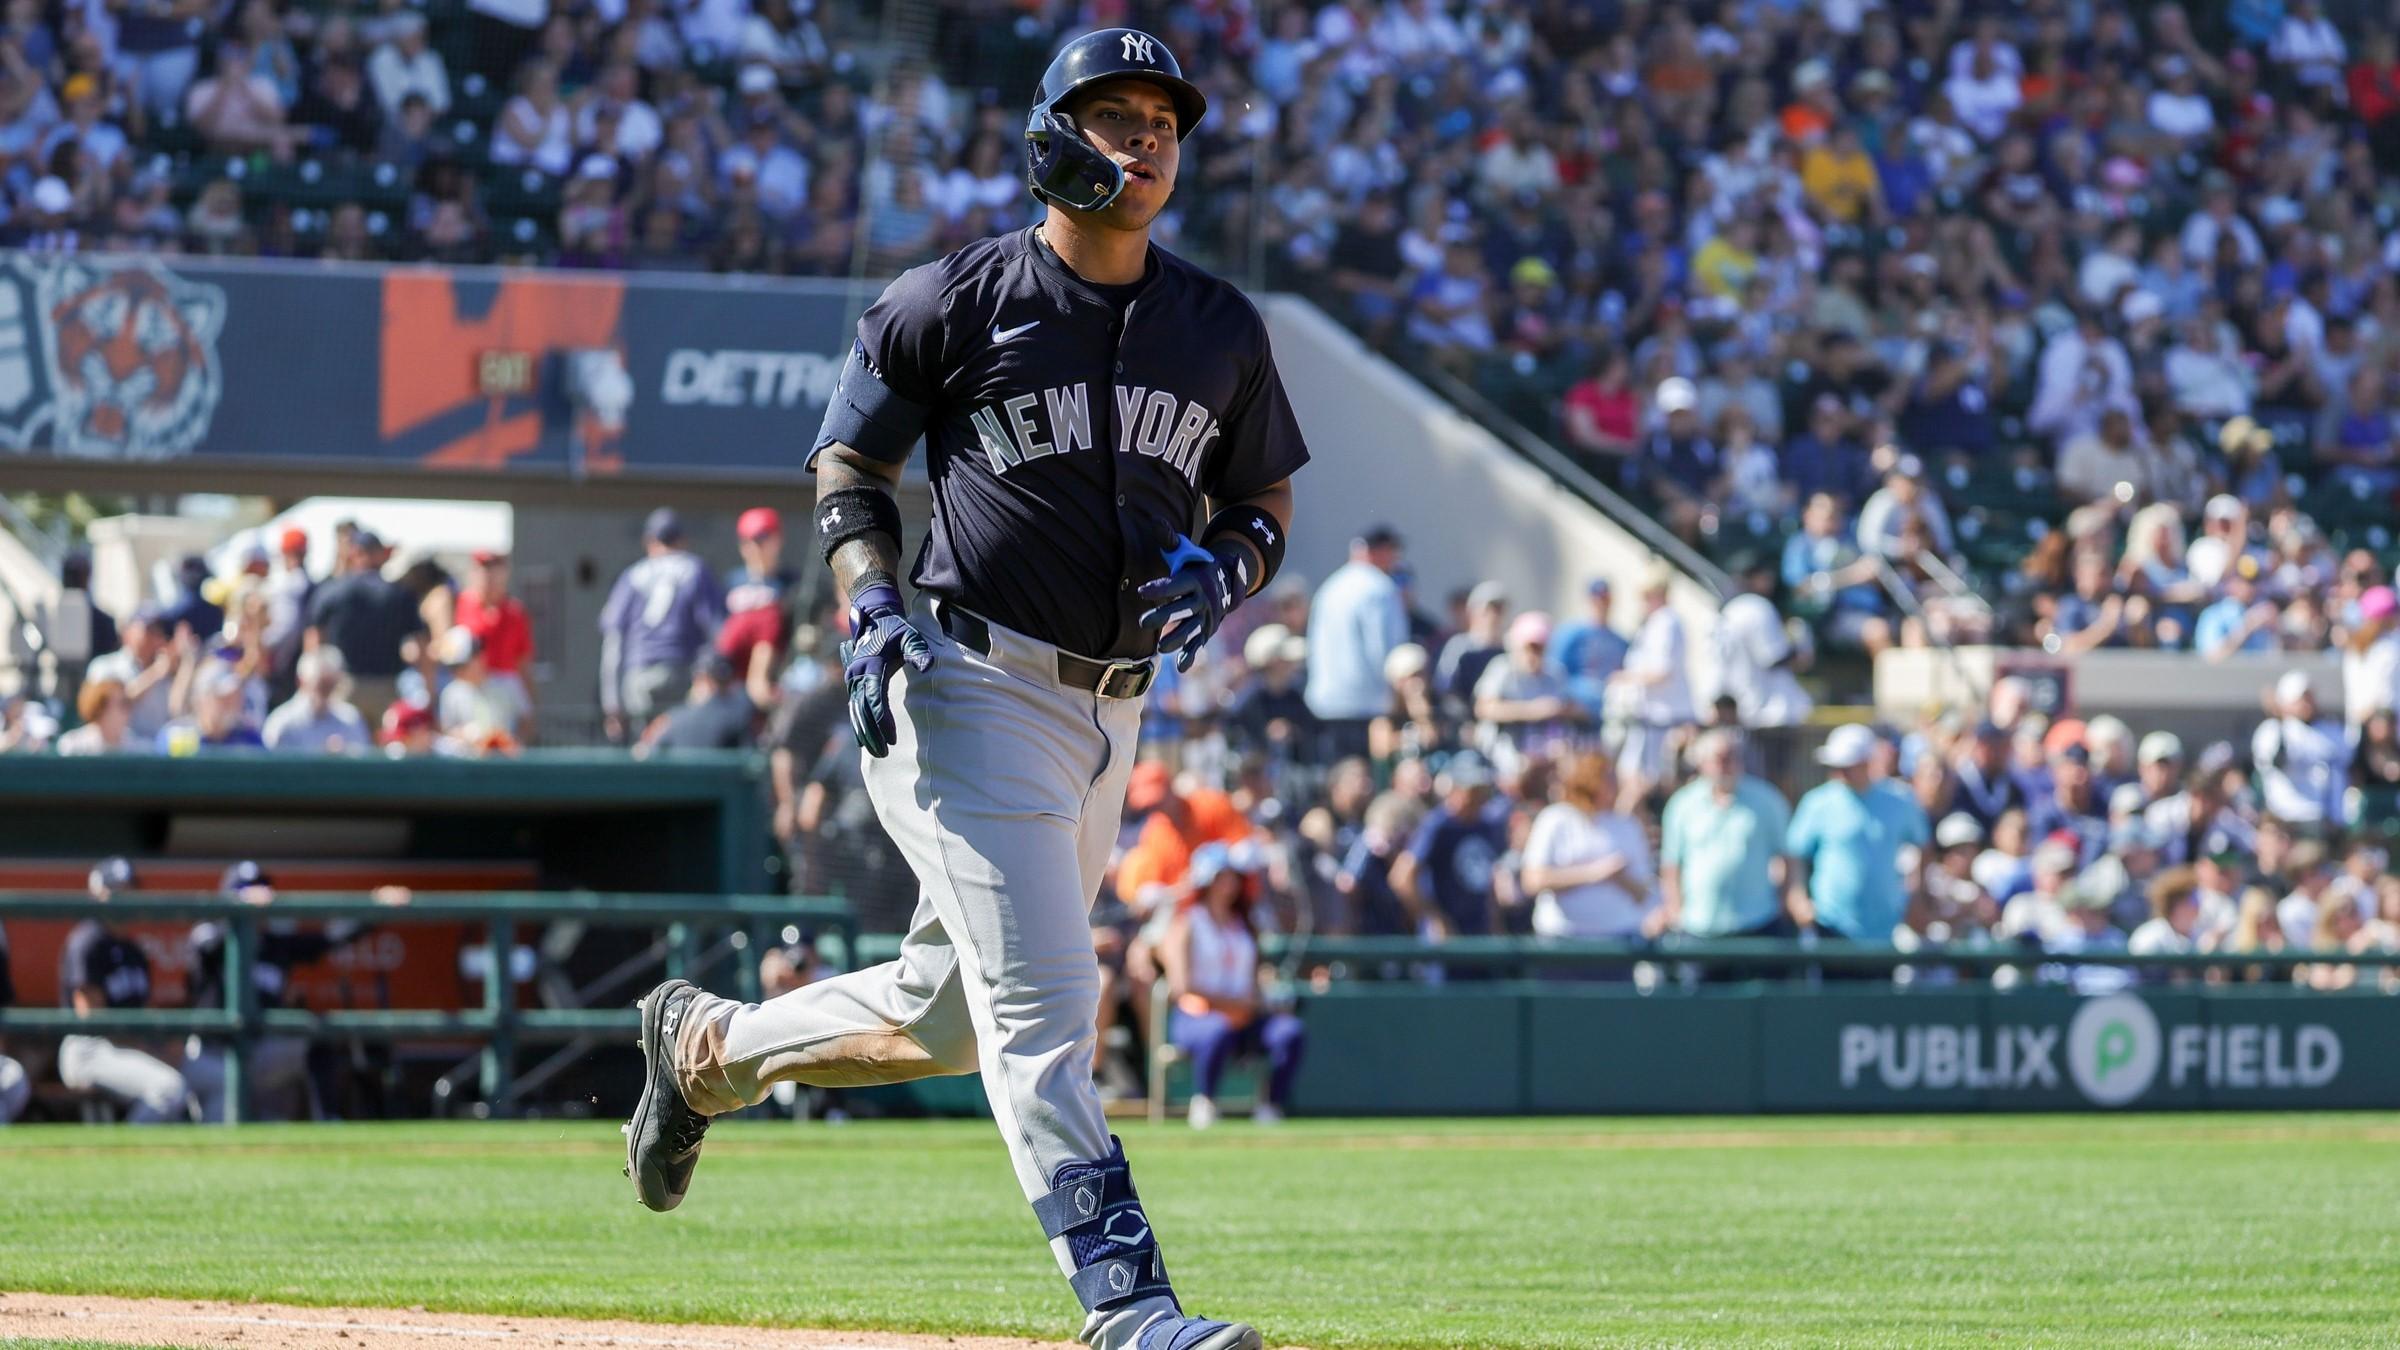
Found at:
[853, 513]
[1255, 527]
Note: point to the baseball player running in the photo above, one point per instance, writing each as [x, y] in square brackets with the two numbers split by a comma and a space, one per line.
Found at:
[1079, 392]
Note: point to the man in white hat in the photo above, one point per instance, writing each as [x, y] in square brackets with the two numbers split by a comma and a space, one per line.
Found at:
[1676, 462]
[2224, 536]
[1472, 648]
[1845, 844]
[1957, 907]
[1270, 713]
[2158, 767]
[2303, 760]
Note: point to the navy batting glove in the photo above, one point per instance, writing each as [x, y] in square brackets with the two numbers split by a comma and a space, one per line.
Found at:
[1200, 588]
[882, 639]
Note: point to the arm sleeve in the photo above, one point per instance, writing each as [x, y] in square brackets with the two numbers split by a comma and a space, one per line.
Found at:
[620, 603]
[612, 655]
[893, 378]
[1261, 445]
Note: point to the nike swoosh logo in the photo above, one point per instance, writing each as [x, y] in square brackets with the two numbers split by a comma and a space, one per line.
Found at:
[1000, 334]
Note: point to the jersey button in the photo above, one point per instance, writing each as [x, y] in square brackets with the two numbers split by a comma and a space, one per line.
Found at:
[1120, 499]
[1120, 367]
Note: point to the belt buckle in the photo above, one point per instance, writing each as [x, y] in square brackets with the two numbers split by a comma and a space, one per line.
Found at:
[1126, 679]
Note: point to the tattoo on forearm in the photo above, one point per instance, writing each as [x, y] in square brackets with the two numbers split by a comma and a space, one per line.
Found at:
[877, 552]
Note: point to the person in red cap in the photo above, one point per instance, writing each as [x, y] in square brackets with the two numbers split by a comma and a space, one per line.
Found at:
[502, 632]
[758, 599]
[409, 732]
[289, 587]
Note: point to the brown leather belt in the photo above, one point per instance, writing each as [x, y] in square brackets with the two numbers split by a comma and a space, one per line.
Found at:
[1108, 679]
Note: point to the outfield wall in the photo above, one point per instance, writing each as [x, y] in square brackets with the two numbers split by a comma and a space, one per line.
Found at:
[1514, 1049]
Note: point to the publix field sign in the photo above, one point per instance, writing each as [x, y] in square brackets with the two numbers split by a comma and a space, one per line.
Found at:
[2051, 1050]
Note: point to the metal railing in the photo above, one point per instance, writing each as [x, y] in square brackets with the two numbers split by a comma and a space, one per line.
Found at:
[500, 1023]
[1523, 956]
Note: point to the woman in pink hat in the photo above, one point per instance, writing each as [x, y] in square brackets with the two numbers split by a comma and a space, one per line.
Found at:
[2371, 658]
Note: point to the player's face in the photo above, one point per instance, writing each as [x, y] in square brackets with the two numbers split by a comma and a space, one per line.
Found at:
[1133, 123]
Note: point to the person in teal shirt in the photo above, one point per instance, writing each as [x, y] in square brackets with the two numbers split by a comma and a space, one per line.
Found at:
[1845, 841]
[1721, 849]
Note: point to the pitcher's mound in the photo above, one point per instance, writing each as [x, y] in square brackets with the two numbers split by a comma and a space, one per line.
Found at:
[276, 1326]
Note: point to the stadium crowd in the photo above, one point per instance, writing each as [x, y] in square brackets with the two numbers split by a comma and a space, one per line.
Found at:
[2056, 325]
[1485, 770]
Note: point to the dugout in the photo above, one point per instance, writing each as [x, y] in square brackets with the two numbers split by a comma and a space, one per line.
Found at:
[546, 821]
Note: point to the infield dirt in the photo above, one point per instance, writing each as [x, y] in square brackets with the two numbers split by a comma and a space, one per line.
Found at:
[277, 1326]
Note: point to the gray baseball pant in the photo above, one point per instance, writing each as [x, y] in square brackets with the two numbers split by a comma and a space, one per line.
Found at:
[151, 1092]
[1004, 791]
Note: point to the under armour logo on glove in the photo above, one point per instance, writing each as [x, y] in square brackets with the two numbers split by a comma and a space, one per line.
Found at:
[1192, 599]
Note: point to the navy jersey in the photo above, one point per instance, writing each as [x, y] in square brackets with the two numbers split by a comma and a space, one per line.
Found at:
[1067, 442]
[281, 949]
[98, 958]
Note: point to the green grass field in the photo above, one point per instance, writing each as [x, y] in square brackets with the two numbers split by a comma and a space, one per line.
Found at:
[2061, 1230]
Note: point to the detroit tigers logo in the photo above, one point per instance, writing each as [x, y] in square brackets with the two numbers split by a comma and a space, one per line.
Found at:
[107, 360]
[1138, 47]
[137, 361]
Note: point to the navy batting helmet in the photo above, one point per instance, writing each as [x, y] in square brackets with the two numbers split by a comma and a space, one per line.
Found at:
[1061, 165]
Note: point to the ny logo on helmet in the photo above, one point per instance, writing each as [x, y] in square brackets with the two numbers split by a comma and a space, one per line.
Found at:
[1139, 47]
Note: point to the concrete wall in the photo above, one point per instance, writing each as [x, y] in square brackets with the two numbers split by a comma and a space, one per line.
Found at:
[1387, 450]
[128, 551]
[2166, 691]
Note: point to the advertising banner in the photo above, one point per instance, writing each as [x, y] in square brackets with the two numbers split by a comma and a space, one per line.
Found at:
[457, 370]
[1875, 1049]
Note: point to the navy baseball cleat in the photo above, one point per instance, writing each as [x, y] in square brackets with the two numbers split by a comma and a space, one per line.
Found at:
[1198, 1333]
[662, 1141]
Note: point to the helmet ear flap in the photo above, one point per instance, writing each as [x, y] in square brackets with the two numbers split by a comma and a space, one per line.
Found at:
[1062, 167]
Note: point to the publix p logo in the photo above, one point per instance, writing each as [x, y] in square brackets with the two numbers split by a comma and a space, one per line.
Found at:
[2113, 1049]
